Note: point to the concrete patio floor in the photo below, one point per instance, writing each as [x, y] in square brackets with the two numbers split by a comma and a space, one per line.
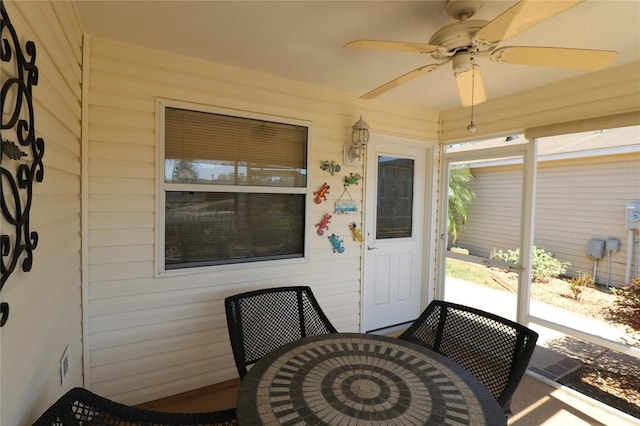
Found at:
[547, 365]
[542, 402]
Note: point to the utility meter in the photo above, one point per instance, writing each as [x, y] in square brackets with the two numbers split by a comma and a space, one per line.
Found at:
[612, 245]
[632, 216]
[595, 248]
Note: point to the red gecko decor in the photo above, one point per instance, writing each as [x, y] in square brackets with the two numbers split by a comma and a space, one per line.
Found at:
[324, 224]
[321, 194]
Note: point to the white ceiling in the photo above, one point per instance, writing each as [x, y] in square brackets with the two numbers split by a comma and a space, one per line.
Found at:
[302, 40]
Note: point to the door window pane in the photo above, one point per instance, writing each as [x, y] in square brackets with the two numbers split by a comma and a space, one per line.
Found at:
[394, 217]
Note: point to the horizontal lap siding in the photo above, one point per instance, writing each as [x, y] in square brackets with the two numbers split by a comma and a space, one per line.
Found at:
[608, 92]
[575, 201]
[149, 336]
[494, 216]
[585, 199]
[45, 303]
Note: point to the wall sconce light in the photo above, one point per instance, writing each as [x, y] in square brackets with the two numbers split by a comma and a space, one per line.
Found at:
[359, 138]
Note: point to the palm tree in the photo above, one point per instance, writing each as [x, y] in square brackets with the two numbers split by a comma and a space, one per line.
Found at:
[460, 197]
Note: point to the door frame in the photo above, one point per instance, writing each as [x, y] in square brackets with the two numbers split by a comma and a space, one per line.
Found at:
[527, 151]
[429, 208]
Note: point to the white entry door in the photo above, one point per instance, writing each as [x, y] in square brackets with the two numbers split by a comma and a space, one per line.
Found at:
[393, 237]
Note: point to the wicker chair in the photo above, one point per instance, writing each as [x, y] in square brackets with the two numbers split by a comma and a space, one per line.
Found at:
[494, 349]
[82, 407]
[262, 320]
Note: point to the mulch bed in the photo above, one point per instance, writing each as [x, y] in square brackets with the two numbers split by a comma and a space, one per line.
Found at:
[609, 387]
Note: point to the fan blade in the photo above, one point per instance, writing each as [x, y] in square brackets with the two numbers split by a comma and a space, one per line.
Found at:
[521, 16]
[400, 80]
[580, 59]
[470, 87]
[398, 46]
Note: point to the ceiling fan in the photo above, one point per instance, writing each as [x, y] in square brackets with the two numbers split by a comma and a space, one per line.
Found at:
[462, 42]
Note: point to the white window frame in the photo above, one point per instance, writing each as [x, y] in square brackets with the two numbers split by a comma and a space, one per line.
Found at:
[163, 187]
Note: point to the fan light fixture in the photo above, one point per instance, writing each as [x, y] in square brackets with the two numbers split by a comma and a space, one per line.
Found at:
[467, 75]
[359, 140]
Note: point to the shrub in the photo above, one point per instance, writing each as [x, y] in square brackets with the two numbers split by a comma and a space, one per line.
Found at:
[626, 308]
[544, 265]
[580, 282]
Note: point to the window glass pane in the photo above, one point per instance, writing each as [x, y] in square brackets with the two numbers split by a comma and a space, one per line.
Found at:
[394, 217]
[584, 184]
[210, 228]
[207, 148]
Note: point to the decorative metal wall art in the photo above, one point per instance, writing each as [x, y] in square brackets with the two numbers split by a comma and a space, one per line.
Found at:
[321, 194]
[21, 160]
[330, 166]
[357, 234]
[323, 224]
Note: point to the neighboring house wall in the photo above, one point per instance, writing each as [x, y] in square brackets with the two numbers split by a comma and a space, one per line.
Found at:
[150, 336]
[45, 303]
[577, 199]
[494, 215]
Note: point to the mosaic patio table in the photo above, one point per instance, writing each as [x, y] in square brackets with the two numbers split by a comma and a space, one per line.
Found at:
[362, 379]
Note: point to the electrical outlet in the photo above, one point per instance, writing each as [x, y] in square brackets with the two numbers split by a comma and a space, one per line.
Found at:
[65, 362]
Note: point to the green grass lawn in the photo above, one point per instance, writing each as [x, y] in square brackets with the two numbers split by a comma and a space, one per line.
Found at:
[471, 272]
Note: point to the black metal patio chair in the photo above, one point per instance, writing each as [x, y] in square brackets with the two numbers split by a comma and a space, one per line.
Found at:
[80, 406]
[494, 349]
[262, 320]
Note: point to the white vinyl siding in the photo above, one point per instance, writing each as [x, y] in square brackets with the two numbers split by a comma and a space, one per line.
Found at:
[151, 336]
[576, 200]
[45, 303]
[608, 92]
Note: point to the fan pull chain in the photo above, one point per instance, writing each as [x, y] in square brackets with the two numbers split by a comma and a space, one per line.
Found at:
[471, 128]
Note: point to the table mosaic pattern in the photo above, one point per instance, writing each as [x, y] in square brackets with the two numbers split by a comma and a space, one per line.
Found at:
[362, 379]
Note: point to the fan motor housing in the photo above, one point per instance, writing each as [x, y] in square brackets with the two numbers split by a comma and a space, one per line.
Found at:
[457, 36]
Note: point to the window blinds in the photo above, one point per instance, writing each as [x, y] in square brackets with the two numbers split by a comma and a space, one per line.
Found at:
[203, 136]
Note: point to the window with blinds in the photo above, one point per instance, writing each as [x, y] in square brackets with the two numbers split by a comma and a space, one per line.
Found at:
[234, 189]
[207, 148]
